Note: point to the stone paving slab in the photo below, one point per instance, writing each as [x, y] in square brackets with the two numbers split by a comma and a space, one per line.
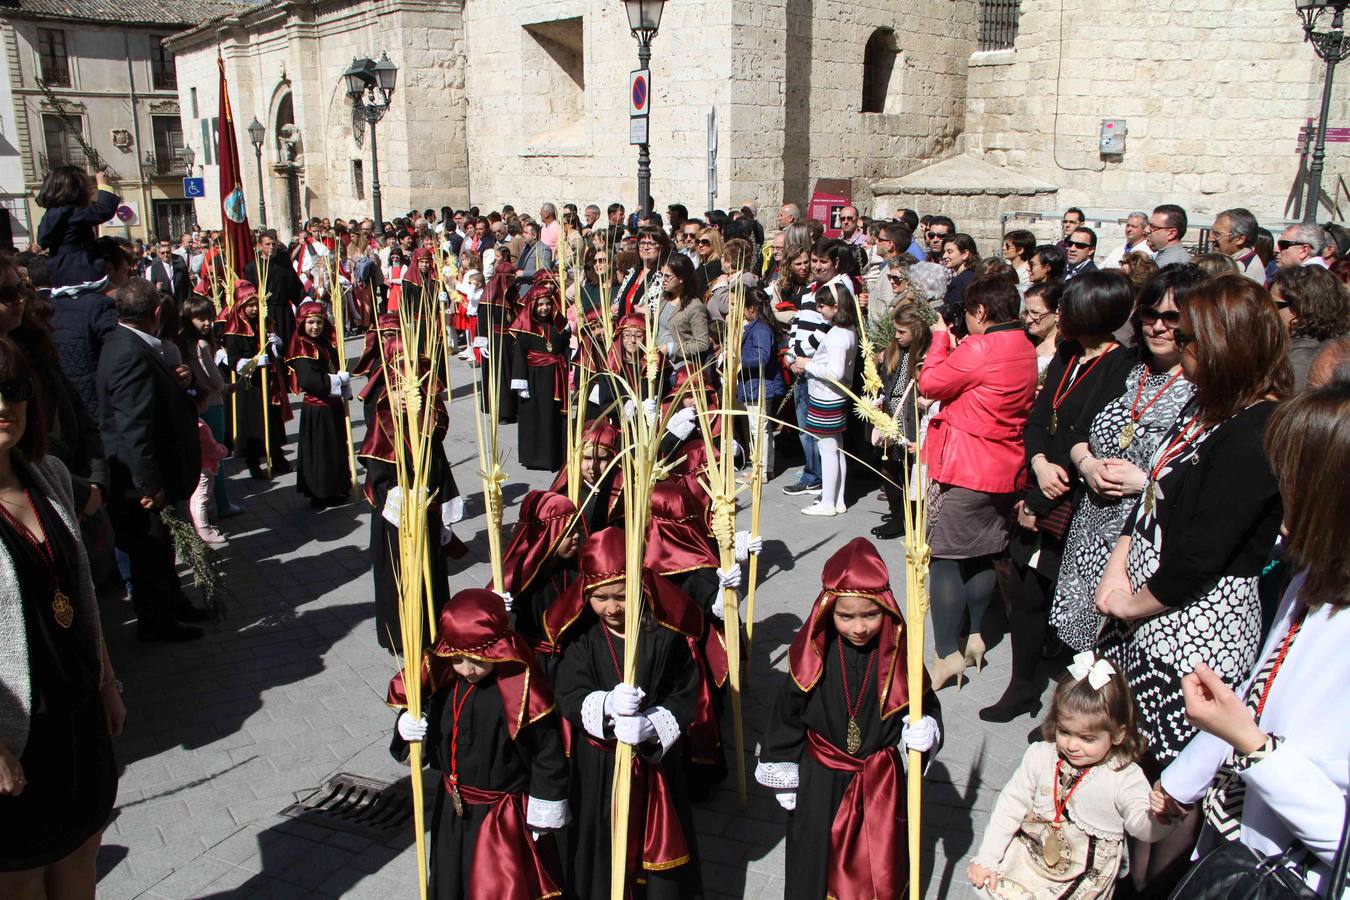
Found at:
[225, 733]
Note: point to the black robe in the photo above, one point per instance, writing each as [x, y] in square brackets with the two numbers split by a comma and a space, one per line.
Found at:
[285, 293]
[600, 506]
[820, 790]
[487, 759]
[323, 470]
[492, 323]
[669, 676]
[247, 403]
[541, 418]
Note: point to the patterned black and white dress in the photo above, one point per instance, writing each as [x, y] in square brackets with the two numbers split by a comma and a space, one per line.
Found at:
[1220, 626]
[1097, 520]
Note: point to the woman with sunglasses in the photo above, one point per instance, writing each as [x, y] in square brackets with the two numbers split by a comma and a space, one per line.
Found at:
[58, 777]
[1181, 582]
[1315, 307]
[708, 247]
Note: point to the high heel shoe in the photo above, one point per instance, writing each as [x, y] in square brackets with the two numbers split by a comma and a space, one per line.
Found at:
[1019, 699]
[974, 651]
[946, 668]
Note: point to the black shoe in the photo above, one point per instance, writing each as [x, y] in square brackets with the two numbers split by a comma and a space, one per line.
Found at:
[255, 470]
[1017, 700]
[189, 613]
[890, 529]
[280, 466]
[166, 634]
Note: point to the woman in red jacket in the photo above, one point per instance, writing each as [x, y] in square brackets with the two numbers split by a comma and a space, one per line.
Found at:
[974, 456]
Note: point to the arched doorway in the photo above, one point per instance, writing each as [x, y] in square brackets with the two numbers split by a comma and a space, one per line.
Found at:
[287, 167]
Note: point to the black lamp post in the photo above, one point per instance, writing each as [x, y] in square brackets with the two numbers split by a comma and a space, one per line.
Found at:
[256, 132]
[1332, 47]
[364, 77]
[644, 18]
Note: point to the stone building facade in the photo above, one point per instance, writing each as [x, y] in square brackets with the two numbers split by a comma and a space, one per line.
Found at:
[91, 83]
[981, 108]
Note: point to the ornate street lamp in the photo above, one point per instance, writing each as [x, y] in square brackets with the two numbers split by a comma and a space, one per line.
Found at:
[189, 157]
[256, 133]
[644, 19]
[363, 78]
[1332, 47]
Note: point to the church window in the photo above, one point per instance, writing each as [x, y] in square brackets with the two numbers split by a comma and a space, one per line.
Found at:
[998, 23]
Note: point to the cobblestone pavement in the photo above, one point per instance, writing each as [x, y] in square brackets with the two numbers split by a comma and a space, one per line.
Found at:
[224, 733]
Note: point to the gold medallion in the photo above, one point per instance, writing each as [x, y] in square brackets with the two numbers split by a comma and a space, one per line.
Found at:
[1126, 436]
[854, 737]
[61, 608]
[1148, 499]
[1052, 851]
[456, 800]
[1054, 421]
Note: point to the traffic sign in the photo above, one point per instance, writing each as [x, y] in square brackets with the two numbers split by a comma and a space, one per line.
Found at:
[639, 92]
[194, 187]
[637, 130]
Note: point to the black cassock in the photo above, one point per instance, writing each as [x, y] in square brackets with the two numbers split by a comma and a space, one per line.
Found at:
[323, 471]
[820, 790]
[669, 676]
[528, 606]
[488, 759]
[492, 323]
[541, 417]
[248, 414]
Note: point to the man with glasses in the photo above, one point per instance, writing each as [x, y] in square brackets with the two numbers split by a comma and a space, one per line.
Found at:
[687, 237]
[939, 229]
[1079, 248]
[1301, 245]
[1166, 228]
[892, 241]
[1136, 223]
[1234, 234]
[851, 230]
[1073, 219]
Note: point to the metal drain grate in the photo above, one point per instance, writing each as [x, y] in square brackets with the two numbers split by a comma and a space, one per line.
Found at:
[357, 805]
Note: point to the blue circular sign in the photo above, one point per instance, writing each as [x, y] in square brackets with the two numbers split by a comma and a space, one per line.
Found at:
[639, 92]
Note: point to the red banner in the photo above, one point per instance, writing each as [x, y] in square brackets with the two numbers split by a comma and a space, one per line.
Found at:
[233, 210]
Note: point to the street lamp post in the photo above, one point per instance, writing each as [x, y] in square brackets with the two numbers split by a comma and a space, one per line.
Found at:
[256, 133]
[1332, 47]
[364, 77]
[644, 18]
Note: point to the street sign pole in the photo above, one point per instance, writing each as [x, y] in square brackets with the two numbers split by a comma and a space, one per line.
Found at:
[712, 157]
[639, 104]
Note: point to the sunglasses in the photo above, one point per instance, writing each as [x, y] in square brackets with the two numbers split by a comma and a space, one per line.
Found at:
[16, 390]
[1182, 338]
[935, 234]
[648, 244]
[1285, 245]
[1081, 245]
[704, 242]
[1171, 318]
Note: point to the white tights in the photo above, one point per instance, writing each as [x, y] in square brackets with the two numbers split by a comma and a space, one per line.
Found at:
[833, 473]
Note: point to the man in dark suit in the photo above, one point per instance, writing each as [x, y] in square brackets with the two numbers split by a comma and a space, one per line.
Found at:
[1080, 248]
[284, 291]
[149, 428]
[169, 273]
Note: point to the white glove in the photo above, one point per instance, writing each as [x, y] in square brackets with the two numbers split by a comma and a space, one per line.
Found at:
[274, 342]
[507, 599]
[524, 393]
[624, 700]
[411, 729]
[443, 297]
[682, 423]
[480, 342]
[921, 737]
[245, 367]
[649, 407]
[629, 410]
[745, 544]
[222, 358]
[786, 799]
[334, 386]
[346, 378]
[730, 577]
[393, 505]
[261, 359]
[634, 730]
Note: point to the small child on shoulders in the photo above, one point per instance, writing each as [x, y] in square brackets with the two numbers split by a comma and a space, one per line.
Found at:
[75, 206]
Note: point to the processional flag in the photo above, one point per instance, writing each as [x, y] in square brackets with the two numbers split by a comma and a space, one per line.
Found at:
[233, 209]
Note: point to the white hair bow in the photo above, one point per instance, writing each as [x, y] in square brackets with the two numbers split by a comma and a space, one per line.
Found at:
[1097, 671]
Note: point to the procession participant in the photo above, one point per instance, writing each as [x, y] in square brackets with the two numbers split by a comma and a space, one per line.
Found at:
[834, 733]
[540, 560]
[653, 715]
[1058, 827]
[444, 507]
[284, 290]
[419, 281]
[393, 279]
[491, 729]
[621, 378]
[601, 492]
[323, 472]
[496, 310]
[538, 375]
[240, 340]
[682, 425]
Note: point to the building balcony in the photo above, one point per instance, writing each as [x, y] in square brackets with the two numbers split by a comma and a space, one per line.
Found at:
[157, 165]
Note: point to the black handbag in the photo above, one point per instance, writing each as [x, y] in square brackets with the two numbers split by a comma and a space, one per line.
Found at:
[1234, 871]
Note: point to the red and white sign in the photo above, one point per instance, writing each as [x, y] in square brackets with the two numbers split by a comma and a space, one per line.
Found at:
[831, 195]
[127, 214]
[639, 92]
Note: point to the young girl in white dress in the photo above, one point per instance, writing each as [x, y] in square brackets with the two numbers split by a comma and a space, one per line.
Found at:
[1058, 828]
